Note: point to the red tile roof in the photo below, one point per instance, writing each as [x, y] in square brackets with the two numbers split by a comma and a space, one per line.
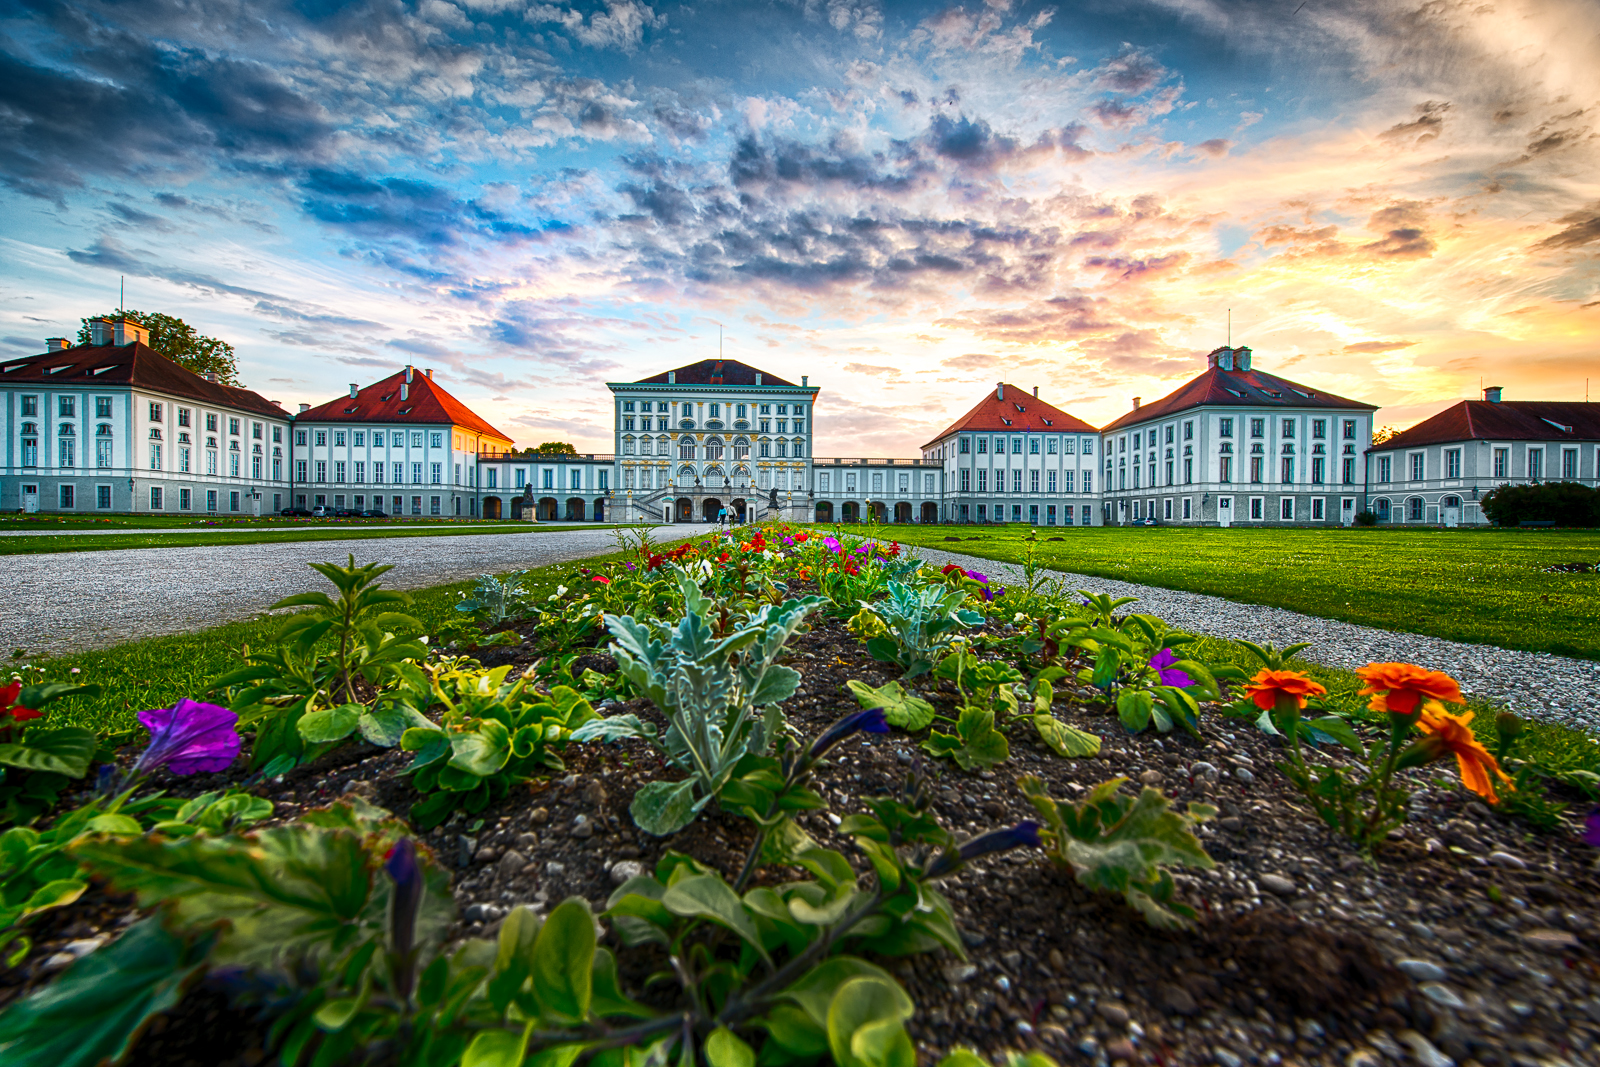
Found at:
[1507, 420]
[1237, 388]
[426, 402]
[133, 364]
[1018, 411]
[715, 372]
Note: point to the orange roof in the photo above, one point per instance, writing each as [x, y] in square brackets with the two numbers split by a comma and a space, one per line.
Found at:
[1010, 409]
[426, 402]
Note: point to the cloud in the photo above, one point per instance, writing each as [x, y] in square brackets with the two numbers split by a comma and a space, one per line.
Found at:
[1378, 346]
[1583, 227]
[1405, 235]
[1130, 73]
[869, 369]
[1216, 148]
[620, 26]
[1427, 126]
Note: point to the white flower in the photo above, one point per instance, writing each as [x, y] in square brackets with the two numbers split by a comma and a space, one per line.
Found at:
[76, 670]
[424, 638]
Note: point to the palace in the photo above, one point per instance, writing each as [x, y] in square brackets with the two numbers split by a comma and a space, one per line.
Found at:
[718, 438]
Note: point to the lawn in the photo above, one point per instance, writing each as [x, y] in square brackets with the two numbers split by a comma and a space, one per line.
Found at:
[1481, 586]
[73, 542]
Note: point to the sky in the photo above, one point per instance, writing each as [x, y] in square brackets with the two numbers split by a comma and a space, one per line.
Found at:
[1388, 200]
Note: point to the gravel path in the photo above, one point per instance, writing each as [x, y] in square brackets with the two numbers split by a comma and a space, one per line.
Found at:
[1538, 684]
[68, 601]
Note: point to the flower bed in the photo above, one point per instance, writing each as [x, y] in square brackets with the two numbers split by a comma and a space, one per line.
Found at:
[827, 805]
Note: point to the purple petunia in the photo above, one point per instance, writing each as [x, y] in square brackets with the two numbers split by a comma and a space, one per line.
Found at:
[189, 738]
[870, 720]
[1591, 829]
[1162, 663]
[1023, 834]
[831, 544]
[401, 865]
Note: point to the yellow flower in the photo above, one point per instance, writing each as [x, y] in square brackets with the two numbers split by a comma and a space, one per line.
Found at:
[1449, 734]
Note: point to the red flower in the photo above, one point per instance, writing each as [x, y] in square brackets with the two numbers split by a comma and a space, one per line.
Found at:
[894, 548]
[802, 537]
[18, 714]
[951, 568]
[602, 579]
[654, 562]
[724, 557]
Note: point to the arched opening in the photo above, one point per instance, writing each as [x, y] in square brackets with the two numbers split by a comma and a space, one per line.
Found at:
[930, 512]
[491, 507]
[599, 511]
[739, 510]
[547, 509]
[709, 509]
[880, 513]
[575, 509]
[851, 512]
[685, 509]
[825, 511]
[1381, 508]
[1414, 509]
[902, 512]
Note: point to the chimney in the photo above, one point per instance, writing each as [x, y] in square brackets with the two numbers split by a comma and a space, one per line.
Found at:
[304, 408]
[1221, 358]
[672, 377]
[210, 375]
[1000, 390]
[408, 373]
[405, 391]
[127, 331]
[1241, 358]
[1136, 403]
[56, 344]
[805, 380]
[101, 331]
[353, 390]
[1492, 394]
[758, 377]
[429, 373]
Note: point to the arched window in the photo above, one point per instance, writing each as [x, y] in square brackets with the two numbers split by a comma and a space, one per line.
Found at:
[713, 448]
[686, 448]
[685, 475]
[1414, 509]
[1381, 507]
[1451, 502]
[741, 447]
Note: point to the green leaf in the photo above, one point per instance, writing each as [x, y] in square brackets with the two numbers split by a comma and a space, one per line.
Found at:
[615, 728]
[663, 808]
[814, 993]
[64, 750]
[92, 1013]
[384, 726]
[53, 895]
[114, 824]
[907, 712]
[1339, 729]
[865, 1024]
[724, 1049]
[483, 751]
[708, 896]
[495, 1048]
[1066, 740]
[963, 1057]
[1134, 707]
[330, 724]
[563, 962]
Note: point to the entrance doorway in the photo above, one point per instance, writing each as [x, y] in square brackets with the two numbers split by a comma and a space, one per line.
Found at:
[930, 513]
[851, 511]
[491, 507]
[902, 512]
[738, 508]
[879, 512]
[1450, 510]
[1224, 511]
[709, 507]
[825, 511]
[685, 509]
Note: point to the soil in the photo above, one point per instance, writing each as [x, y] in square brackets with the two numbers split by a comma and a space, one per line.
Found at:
[1294, 959]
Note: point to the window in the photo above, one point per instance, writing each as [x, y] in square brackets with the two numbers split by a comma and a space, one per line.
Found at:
[1188, 471]
[602, 485]
[1088, 486]
[300, 437]
[1225, 469]
[300, 470]
[1288, 470]
[1452, 462]
[1385, 468]
[1569, 463]
[398, 440]
[1016, 446]
[30, 405]
[67, 494]
[436, 440]
[1258, 427]
[962, 447]
[1317, 466]
[1088, 446]
[1166, 509]
[155, 498]
[416, 439]
[338, 439]
[1535, 463]
[255, 431]
[102, 453]
[361, 471]
[1349, 429]
[1349, 470]
[1224, 427]
[255, 466]
[102, 496]
[338, 470]
[211, 423]
[416, 505]
[1255, 468]
[1417, 465]
[627, 405]
[1016, 482]
[322, 438]
[436, 474]
[983, 446]
[416, 474]
[433, 505]
[1414, 509]
[1319, 428]
[399, 472]
[1288, 428]
[1188, 507]
[211, 500]
[1255, 507]
[966, 480]
[277, 435]
[1316, 509]
[1286, 509]
[1033, 446]
[1502, 462]
[155, 456]
[983, 481]
[322, 470]
[233, 427]
[67, 406]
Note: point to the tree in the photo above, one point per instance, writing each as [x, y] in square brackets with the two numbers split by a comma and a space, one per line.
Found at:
[1384, 434]
[555, 448]
[181, 343]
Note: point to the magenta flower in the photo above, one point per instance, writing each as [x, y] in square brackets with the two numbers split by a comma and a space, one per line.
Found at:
[189, 738]
[1591, 829]
[831, 544]
[1162, 663]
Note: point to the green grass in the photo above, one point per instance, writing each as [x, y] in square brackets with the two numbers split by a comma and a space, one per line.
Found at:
[67, 542]
[1481, 586]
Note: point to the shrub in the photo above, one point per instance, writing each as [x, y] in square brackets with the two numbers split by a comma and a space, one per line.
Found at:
[1563, 503]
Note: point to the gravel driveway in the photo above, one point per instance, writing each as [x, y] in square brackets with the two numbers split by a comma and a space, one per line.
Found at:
[1538, 684]
[67, 601]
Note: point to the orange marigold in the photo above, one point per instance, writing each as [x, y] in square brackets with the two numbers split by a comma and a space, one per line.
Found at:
[1266, 685]
[1399, 687]
[1449, 734]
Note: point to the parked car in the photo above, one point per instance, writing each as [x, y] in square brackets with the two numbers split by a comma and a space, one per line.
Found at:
[1152, 521]
[295, 513]
[374, 513]
[346, 513]
[321, 511]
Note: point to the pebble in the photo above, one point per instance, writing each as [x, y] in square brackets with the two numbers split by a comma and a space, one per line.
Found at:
[1423, 1050]
[1277, 883]
[1151, 777]
[1508, 861]
[1231, 823]
[511, 863]
[1363, 1057]
[1202, 769]
[539, 816]
[72, 952]
[1421, 970]
[1442, 995]
[1244, 775]
[956, 973]
[484, 855]
[481, 913]
[1058, 962]
[1550, 940]
[1225, 1058]
[623, 870]
[1113, 1013]
[582, 827]
[1176, 1000]
[1120, 1049]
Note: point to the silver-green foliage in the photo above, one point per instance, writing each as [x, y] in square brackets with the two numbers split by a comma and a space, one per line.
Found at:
[719, 692]
[922, 621]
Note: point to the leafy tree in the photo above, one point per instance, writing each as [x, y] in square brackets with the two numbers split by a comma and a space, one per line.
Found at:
[1563, 503]
[1384, 434]
[555, 448]
[181, 343]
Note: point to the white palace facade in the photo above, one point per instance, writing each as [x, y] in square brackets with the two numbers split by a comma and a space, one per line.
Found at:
[114, 426]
